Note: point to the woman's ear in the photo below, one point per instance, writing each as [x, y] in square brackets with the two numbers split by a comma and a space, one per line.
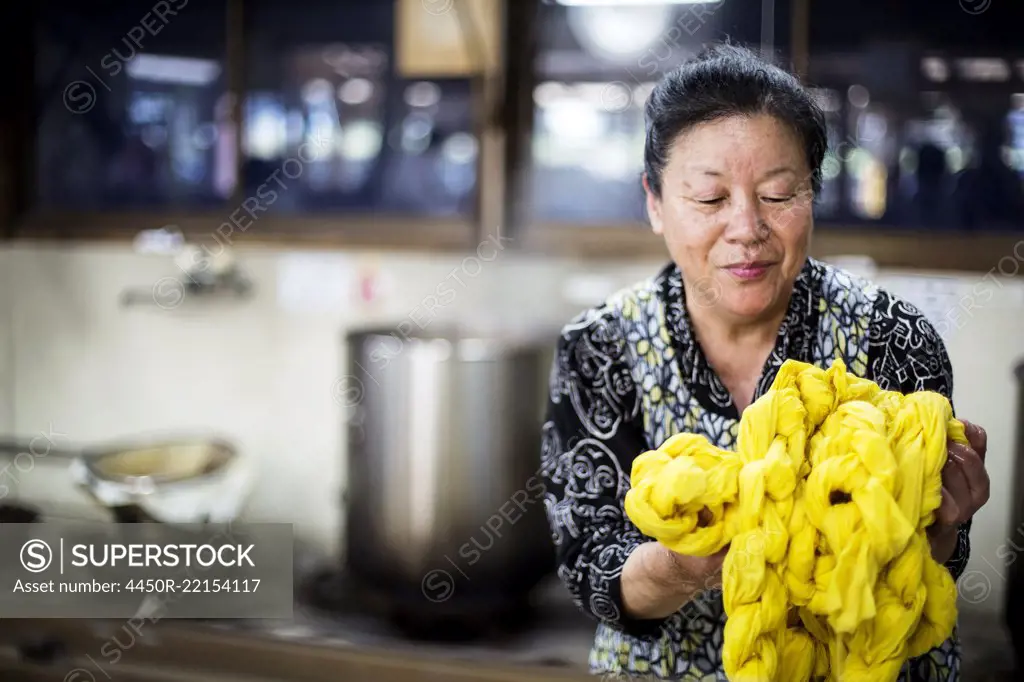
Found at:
[653, 207]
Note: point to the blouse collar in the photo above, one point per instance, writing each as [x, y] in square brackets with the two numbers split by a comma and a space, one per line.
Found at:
[793, 340]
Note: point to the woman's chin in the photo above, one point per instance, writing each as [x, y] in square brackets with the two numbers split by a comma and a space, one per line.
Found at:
[748, 305]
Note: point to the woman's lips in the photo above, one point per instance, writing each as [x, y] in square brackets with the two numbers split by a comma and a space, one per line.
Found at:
[749, 271]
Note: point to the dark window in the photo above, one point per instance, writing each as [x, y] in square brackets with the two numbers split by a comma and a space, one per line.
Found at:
[132, 105]
[135, 113]
[322, 89]
[595, 67]
[925, 116]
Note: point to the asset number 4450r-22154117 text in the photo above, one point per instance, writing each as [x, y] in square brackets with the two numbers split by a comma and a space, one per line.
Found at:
[192, 585]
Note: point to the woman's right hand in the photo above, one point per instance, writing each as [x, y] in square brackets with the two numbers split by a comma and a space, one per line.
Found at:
[657, 582]
[698, 573]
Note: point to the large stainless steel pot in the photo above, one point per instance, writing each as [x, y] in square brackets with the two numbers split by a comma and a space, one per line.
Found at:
[444, 503]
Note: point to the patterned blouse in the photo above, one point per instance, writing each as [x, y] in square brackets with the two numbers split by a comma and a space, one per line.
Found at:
[628, 374]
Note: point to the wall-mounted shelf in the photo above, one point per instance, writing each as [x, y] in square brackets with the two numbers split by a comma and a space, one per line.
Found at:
[169, 293]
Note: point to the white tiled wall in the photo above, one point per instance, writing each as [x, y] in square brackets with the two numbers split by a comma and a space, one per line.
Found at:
[258, 371]
[261, 372]
[985, 342]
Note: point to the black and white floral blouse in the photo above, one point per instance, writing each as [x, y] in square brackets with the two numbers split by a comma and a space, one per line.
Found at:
[629, 373]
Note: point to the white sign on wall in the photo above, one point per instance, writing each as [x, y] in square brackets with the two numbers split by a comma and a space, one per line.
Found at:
[315, 283]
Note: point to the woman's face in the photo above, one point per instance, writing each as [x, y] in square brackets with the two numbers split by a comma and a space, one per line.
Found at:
[736, 214]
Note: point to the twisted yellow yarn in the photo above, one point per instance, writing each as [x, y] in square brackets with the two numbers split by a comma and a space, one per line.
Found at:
[824, 506]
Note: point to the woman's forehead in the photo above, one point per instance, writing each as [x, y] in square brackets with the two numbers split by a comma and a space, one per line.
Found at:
[715, 149]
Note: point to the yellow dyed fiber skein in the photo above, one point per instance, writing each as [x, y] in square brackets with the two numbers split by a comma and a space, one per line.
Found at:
[824, 506]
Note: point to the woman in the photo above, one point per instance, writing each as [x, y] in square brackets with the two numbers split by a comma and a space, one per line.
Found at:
[732, 160]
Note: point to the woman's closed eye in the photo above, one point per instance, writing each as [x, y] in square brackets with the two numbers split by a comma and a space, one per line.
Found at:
[778, 199]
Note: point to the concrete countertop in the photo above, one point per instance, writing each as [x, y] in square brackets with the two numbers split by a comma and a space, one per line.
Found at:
[558, 636]
[183, 651]
[84, 651]
[310, 647]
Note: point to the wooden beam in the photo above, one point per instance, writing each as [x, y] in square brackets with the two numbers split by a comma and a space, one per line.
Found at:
[799, 38]
[1000, 253]
[17, 136]
[235, 58]
[214, 229]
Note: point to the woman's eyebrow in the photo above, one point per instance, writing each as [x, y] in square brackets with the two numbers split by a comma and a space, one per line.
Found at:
[708, 170]
[779, 170]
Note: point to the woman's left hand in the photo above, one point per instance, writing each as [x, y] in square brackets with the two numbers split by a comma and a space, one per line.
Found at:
[965, 490]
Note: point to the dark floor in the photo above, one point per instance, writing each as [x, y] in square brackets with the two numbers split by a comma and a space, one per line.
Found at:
[987, 654]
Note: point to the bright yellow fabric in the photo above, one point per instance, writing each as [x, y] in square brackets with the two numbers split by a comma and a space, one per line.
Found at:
[824, 506]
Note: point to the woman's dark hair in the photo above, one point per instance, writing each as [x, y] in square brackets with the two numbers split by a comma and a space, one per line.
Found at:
[728, 80]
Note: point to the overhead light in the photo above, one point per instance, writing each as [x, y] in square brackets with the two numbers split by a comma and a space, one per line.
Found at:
[619, 33]
[632, 3]
[178, 70]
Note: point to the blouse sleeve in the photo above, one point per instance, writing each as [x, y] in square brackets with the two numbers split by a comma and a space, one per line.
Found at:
[906, 354]
[591, 435]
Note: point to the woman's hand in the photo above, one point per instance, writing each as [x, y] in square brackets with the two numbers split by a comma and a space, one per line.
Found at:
[657, 582]
[698, 573]
[965, 490]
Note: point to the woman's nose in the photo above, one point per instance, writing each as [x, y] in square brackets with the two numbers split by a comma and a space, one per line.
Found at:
[745, 223]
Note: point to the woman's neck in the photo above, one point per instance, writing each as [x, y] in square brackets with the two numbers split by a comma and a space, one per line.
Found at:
[736, 350]
[712, 327]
